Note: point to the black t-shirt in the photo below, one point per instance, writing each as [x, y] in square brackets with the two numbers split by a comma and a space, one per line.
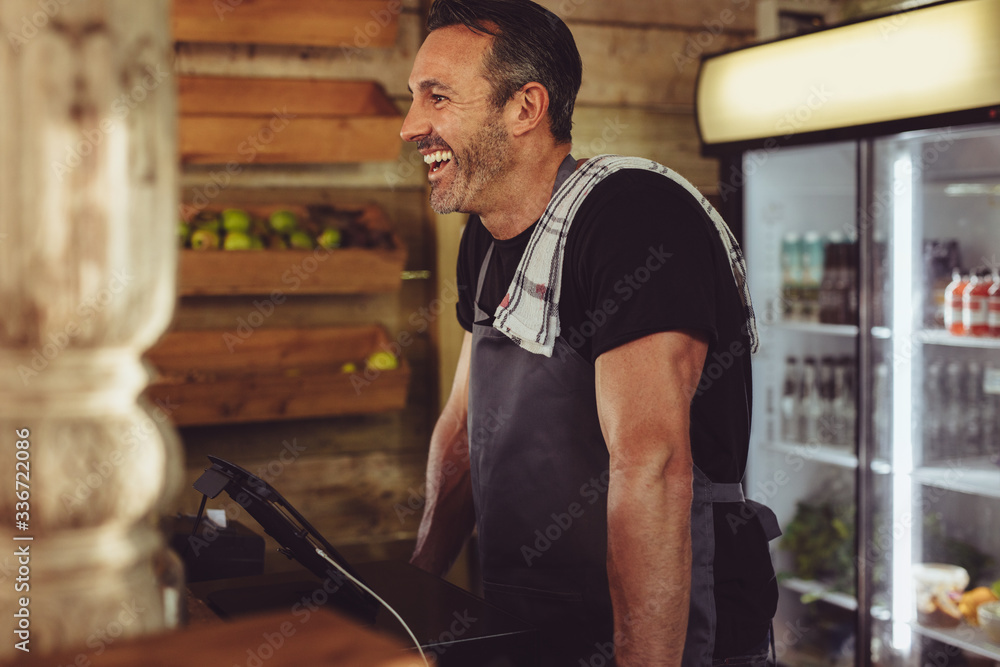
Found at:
[643, 257]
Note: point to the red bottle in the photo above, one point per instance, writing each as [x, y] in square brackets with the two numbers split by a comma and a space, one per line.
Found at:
[953, 303]
[974, 298]
[993, 305]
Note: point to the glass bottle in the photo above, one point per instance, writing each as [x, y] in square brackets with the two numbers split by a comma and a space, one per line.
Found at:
[790, 400]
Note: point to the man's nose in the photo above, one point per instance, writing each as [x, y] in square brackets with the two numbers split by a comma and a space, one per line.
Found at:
[415, 125]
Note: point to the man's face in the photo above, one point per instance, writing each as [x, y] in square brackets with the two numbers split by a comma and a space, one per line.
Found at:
[462, 136]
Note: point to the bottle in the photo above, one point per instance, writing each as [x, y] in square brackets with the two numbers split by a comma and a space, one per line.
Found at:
[880, 408]
[829, 424]
[851, 276]
[972, 409]
[832, 289]
[975, 320]
[932, 410]
[953, 303]
[791, 275]
[939, 256]
[812, 403]
[812, 275]
[842, 403]
[790, 397]
[951, 425]
[993, 305]
[991, 412]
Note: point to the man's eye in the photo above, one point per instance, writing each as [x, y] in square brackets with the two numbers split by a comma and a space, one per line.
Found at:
[438, 98]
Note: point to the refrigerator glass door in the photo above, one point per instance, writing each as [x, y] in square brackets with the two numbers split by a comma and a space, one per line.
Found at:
[800, 240]
[934, 545]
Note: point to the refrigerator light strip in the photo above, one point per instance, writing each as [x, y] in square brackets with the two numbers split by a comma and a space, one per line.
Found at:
[900, 401]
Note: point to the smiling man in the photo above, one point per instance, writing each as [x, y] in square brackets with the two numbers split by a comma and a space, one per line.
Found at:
[597, 429]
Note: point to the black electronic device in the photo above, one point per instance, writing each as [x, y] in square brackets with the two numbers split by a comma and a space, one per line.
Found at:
[297, 537]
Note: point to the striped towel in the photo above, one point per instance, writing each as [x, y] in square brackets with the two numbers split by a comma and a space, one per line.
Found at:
[529, 313]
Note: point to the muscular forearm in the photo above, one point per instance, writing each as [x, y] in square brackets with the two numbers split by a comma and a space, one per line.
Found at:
[649, 561]
[448, 509]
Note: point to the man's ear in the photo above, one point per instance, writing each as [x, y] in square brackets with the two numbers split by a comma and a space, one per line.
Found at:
[529, 108]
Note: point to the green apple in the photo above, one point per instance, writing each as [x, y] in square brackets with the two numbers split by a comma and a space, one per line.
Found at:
[256, 243]
[208, 222]
[283, 222]
[382, 361]
[236, 220]
[300, 240]
[330, 238]
[204, 239]
[349, 367]
[237, 241]
[183, 232]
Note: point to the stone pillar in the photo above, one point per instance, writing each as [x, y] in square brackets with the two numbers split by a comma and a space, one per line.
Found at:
[88, 206]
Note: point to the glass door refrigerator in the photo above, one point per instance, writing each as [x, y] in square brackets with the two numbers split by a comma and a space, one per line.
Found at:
[862, 164]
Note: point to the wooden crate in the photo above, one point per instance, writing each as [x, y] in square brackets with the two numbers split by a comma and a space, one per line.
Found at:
[345, 24]
[294, 272]
[251, 375]
[238, 121]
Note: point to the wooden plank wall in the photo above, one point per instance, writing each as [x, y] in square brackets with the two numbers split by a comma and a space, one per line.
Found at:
[356, 478]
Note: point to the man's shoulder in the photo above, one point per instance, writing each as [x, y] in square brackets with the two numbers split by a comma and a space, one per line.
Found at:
[626, 185]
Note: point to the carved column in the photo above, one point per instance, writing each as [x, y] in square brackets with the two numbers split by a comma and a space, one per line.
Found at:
[87, 270]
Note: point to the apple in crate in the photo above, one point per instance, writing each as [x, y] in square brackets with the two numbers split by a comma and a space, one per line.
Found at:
[283, 222]
[236, 220]
[204, 239]
[382, 361]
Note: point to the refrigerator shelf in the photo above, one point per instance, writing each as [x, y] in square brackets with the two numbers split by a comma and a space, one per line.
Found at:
[941, 337]
[832, 454]
[964, 637]
[817, 590]
[817, 328]
[979, 476]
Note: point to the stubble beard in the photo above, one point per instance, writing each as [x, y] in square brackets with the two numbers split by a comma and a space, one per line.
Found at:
[482, 163]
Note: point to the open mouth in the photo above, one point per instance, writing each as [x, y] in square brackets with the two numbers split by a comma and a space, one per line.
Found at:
[438, 160]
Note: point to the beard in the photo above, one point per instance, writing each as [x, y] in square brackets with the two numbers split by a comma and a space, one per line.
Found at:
[480, 165]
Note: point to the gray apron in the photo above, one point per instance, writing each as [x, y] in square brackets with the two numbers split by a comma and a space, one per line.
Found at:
[539, 468]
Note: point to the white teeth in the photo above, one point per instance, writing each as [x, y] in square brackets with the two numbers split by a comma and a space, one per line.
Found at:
[439, 156]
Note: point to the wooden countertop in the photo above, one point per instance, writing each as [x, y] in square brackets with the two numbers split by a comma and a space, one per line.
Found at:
[276, 640]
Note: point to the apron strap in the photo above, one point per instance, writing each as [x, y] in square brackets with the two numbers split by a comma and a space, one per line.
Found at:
[727, 493]
[733, 493]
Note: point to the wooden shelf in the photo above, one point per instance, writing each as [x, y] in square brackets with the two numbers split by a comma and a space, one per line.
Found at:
[294, 272]
[238, 121]
[249, 375]
[330, 23]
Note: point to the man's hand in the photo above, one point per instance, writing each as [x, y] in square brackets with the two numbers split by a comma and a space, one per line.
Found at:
[644, 393]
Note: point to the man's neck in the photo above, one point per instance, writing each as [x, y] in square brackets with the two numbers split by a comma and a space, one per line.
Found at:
[527, 193]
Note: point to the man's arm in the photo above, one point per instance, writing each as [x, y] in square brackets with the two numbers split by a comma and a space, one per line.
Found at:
[448, 510]
[644, 393]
